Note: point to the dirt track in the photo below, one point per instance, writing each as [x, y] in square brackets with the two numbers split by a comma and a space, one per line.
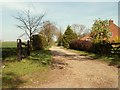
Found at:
[72, 70]
[81, 72]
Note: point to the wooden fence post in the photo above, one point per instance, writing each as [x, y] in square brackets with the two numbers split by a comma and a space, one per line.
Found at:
[19, 49]
[28, 48]
[22, 51]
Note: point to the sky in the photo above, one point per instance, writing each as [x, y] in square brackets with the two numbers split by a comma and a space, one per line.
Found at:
[62, 13]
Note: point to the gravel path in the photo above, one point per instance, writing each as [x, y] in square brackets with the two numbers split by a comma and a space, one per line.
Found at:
[71, 70]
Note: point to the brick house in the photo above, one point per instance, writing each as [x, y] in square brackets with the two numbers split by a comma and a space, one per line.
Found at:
[87, 38]
[114, 32]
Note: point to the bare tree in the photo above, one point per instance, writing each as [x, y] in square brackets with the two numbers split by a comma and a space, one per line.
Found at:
[29, 23]
[78, 28]
[49, 30]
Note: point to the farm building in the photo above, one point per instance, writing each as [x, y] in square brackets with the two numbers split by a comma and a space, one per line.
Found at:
[87, 38]
[114, 32]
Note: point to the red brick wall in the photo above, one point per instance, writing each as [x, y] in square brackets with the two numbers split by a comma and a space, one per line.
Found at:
[114, 29]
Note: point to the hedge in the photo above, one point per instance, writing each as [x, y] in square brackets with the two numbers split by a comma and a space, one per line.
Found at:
[39, 42]
[82, 45]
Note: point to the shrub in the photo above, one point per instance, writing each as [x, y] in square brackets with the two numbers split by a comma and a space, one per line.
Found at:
[85, 45]
[39, 42]
[102, 48]
[80, 45]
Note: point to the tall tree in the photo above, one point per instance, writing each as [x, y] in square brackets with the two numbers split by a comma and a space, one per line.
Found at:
[78, 29]
[100, 30]
[68, 36]
[49, 30]
[29, 23]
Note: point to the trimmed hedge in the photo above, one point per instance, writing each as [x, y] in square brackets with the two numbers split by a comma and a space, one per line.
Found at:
[82, 45]
[39, 42]
[102, 48]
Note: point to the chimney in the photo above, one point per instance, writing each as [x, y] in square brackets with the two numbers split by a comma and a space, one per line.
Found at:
[110, 22]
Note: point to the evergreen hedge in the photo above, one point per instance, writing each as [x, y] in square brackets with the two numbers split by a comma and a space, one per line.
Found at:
[39, 42]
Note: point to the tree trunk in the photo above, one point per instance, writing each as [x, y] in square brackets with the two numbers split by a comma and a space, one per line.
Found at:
[30, 40]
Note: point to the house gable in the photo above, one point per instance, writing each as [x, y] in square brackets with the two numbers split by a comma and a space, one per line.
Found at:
[114, 31]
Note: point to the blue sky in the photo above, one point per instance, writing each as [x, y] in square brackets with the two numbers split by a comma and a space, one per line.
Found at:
[61, 13]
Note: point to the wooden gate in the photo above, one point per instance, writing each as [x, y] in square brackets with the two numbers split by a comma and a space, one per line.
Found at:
[23, 49]
[115, 48]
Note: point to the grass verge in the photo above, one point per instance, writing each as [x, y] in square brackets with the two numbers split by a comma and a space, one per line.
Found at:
[38, 61]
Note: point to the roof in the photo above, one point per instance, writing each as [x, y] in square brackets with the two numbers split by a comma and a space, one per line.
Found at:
[86, 37]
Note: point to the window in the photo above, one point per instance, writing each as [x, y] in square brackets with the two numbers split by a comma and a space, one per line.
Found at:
[110, 34]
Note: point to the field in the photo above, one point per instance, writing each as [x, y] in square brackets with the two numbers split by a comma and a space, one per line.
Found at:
[14, 70]
[9, 51]
[9, 44]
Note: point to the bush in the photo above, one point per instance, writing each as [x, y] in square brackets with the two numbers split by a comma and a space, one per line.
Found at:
[81, 45]
[102, 48]
[39, 42]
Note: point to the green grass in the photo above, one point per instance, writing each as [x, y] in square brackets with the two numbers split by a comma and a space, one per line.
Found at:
[9, 54]
[42, 56]
[9, 44]
[8, 51]
[12, 73]
[38, 61]
[22, 68]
